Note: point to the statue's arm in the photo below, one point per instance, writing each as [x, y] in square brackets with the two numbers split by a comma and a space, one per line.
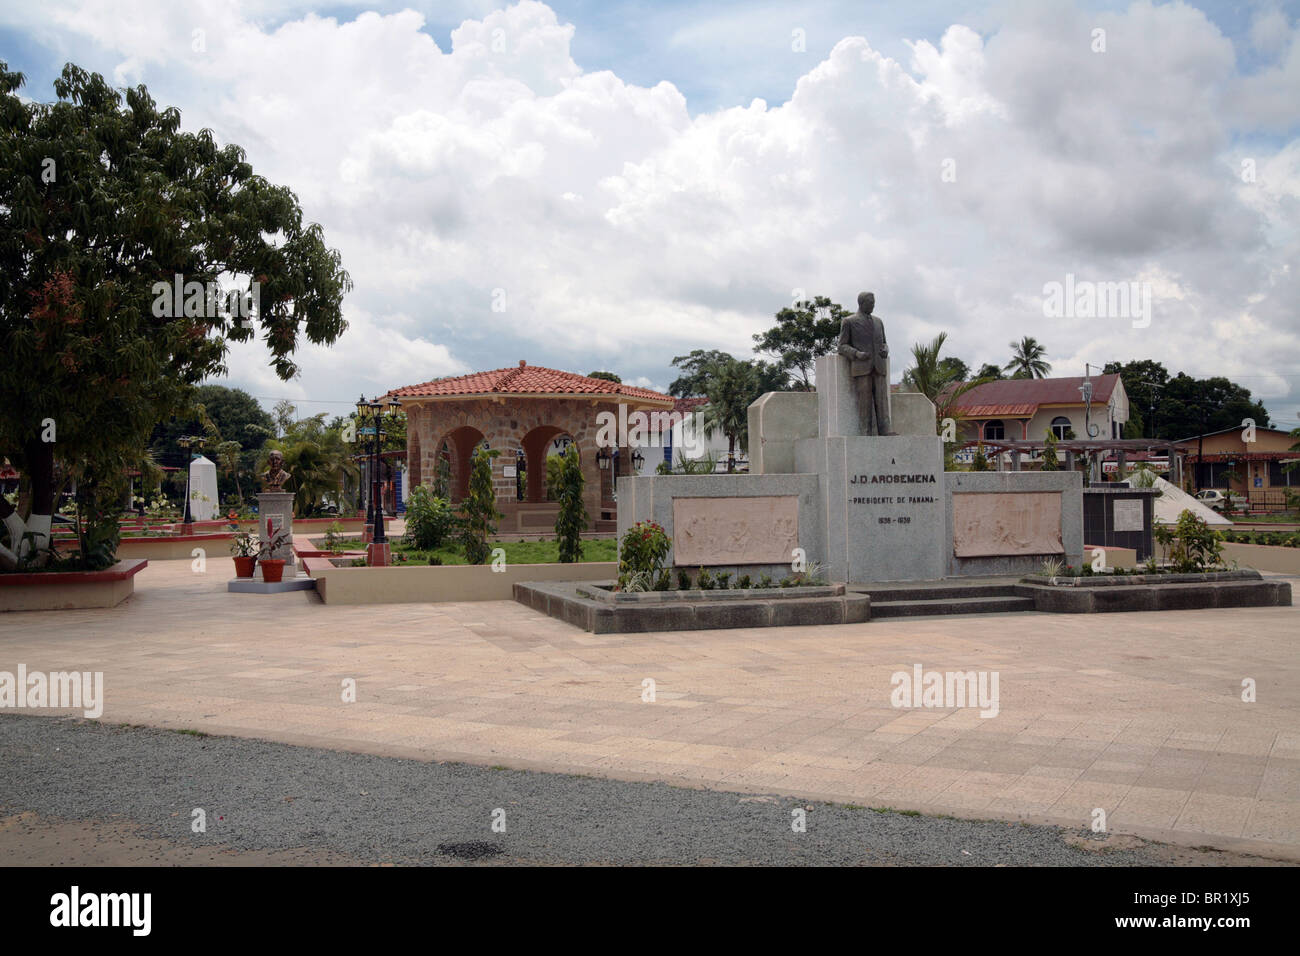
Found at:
[846, 348]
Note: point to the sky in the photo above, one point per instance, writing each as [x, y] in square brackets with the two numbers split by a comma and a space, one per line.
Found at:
[606, 185]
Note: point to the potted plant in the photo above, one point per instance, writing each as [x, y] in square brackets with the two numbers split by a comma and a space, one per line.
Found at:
[272, 568]
[245, 550]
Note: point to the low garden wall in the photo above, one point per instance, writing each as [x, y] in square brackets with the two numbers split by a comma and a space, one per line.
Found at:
[432, 583]
[175, 547]
[1263, 557]
[69, 590]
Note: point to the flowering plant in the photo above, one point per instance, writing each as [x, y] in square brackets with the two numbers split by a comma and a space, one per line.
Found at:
[244, 545]
[642, 551]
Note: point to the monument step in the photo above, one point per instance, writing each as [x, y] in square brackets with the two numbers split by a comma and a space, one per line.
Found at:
[913, 607]
[935, 592]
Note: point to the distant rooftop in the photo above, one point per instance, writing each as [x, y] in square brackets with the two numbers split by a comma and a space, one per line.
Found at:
[1021, 397]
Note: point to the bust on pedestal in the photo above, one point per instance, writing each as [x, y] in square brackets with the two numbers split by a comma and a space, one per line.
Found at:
[275, 507]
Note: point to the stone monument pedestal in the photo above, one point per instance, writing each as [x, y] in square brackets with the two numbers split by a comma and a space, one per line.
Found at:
[883, 496]
[277, 508]
[884, 506]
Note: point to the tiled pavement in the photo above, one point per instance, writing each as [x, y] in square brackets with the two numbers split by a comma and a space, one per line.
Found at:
[1136, 714]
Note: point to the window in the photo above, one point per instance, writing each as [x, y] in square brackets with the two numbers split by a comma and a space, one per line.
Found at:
[1060, 425]
[1213, 474]
[994, 430]
[1279, 477]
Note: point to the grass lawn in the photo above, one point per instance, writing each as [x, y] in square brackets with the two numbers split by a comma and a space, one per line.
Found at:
[517, 552]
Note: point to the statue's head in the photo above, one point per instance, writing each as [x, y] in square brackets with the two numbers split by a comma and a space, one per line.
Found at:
[866, 302]
[276, 460]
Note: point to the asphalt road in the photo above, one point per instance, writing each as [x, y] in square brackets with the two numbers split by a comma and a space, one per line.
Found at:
[80, 792]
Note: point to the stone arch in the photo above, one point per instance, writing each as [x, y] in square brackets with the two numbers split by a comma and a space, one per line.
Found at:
[536, 444]
[460, 443]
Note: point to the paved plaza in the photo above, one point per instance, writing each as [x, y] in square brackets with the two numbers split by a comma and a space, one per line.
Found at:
[1139, 715]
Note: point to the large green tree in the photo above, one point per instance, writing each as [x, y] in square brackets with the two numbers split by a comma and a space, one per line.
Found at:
[802, 332]
[1144, 381]
[104, 202]
[696, 369]
[1197, 406]
[225, 416]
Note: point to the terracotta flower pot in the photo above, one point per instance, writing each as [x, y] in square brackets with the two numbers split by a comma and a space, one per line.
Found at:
[244, 567]
[272, 570]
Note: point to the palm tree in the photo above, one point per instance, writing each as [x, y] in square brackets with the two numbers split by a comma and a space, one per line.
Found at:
[934, 380]
[926, 375]
[318, 458]
[730, 387]
[1028, 359]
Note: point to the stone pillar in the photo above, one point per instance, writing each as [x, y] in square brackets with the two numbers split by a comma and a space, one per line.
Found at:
[379, 554]
[277, 507]
[1121, 462]
[1015, 459]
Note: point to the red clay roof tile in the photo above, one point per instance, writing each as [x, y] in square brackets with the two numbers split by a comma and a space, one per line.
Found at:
[526, 380]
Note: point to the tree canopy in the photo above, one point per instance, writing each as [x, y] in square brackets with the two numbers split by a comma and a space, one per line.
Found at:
[1182, 406]
[803, 332]
[104, 203]
[731, 385]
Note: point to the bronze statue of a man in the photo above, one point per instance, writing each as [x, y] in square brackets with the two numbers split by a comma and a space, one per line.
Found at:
[275, 476]
[862, 342]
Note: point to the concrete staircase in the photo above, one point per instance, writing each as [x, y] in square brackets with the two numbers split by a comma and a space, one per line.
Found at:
[998, 596]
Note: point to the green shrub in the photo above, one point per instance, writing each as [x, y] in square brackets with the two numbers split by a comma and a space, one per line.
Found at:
[723, 578]
[430, 520]
[434, 559]
[1191, 545]
[683, 579]
[764, 582]
[479, 509]
[743, 583]
[705, 580]
[334, 538]
[572, 519]
[663, 581]
[787, 582]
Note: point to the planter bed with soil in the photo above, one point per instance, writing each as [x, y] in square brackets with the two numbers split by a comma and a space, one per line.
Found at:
[598, 608]
[1155, 592]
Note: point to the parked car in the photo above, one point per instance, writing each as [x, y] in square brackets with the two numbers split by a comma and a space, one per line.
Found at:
[1221, 500]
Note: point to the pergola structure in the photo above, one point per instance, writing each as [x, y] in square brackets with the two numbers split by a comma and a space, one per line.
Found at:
[1069, 448]
[520, 412]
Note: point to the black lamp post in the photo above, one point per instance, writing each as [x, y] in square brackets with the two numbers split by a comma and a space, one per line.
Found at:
[373, 411]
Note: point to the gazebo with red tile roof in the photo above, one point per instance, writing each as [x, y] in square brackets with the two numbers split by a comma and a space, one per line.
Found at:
[511, 410]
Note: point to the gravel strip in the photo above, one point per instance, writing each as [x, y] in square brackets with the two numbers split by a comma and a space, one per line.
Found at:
[265, 796]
